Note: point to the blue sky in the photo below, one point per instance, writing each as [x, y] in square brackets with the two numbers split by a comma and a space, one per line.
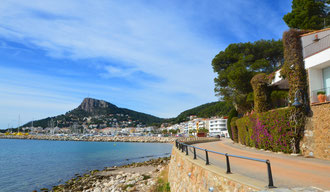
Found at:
[147, 55]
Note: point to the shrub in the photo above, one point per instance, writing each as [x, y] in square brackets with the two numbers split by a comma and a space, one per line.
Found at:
[260, 89]
[269, 130]
[320, 93]
[234, 129]
[232, 113]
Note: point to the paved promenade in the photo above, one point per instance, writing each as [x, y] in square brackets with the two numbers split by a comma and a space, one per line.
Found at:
[288, 171]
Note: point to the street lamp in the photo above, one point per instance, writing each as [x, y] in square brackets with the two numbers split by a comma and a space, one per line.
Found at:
[297, 99]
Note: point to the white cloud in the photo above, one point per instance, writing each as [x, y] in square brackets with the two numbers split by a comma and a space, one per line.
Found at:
[164, 40]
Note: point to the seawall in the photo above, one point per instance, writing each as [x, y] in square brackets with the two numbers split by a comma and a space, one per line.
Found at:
[187, 174]
[316, 140]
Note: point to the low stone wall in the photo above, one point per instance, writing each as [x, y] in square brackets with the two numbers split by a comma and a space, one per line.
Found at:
[186, 174]
[316, 140]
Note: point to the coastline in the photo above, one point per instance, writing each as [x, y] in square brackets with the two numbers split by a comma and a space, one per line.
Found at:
[142, 176]
[141, 139]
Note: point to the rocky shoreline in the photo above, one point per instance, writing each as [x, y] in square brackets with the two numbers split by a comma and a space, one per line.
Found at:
[142, 176]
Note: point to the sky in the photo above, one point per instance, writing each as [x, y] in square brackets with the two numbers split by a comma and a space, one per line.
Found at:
[152, 56]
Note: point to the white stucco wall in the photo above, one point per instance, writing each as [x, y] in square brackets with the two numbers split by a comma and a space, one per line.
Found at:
[315, 82]
[320, 60]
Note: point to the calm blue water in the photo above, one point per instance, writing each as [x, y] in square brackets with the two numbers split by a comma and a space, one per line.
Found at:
[26, 165]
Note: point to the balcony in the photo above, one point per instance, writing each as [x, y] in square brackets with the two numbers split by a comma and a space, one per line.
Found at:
[316, 43]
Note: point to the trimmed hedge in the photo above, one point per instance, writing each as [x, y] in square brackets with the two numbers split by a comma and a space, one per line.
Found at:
[269, 130]
[261, 92]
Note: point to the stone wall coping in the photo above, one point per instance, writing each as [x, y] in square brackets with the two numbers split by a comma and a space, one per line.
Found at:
[252, 183]
[324, 103]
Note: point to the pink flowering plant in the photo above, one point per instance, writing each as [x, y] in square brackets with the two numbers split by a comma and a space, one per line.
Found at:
[269, 130]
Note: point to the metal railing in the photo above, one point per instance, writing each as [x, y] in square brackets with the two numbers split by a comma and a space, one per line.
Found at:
[317, 46]
[184, 148]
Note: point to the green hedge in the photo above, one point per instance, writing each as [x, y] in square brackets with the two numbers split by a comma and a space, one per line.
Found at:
[234, 130]
[269, 130]
[232, 113]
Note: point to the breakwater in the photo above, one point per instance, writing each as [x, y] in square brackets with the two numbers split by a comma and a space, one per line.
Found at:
[140, 139]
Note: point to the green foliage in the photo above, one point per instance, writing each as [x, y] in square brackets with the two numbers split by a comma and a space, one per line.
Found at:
[232, 113]
[238, 63]
[219, 108]
[272, 130]
[308, 14]
[78, 114]
[192, 131]
[162, 186]
[173, 131]
[234, 130]
[203, 130]
[320, 93]
[261, 92]
[279, 98]
[145, 177]
[294, 69]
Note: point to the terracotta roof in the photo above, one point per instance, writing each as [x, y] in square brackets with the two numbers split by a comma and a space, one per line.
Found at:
[314, 32]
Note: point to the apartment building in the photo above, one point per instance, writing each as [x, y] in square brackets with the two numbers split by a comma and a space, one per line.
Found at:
[218, 127]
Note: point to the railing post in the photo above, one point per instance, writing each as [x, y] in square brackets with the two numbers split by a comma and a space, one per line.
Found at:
[186, 149]
[270, 176]
[207, 157]
[228, 164]
[195, 153]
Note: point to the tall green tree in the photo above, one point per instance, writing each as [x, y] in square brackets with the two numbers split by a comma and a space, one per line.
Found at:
[308, 14]
[238, 63]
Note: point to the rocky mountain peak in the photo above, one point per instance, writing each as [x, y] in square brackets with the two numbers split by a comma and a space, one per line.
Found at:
[90, 104]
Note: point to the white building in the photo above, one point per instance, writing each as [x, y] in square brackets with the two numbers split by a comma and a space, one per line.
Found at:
[218, 127]
[316, 53]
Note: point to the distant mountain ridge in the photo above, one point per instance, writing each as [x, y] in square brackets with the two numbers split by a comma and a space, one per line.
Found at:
[99, 112]
[90, 105]
[218, 108]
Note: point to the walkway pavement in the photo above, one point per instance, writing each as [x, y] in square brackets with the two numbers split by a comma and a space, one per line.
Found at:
[288, 171]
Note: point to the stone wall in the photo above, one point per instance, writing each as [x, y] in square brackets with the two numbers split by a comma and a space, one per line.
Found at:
[316, 140]
[186, 174]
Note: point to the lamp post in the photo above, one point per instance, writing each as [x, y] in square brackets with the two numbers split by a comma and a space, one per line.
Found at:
[297, 99]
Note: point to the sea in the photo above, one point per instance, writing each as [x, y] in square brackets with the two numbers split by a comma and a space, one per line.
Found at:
[27, 165]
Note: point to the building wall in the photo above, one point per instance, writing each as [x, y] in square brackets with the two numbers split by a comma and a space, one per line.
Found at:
[215, 126]
[317, 59]
[186, 174]
[315, 82]
[316, 140]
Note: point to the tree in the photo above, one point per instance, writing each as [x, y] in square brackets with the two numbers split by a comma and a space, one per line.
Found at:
[173, 131]
[203, 130]
[238, 63]
[308, 14]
